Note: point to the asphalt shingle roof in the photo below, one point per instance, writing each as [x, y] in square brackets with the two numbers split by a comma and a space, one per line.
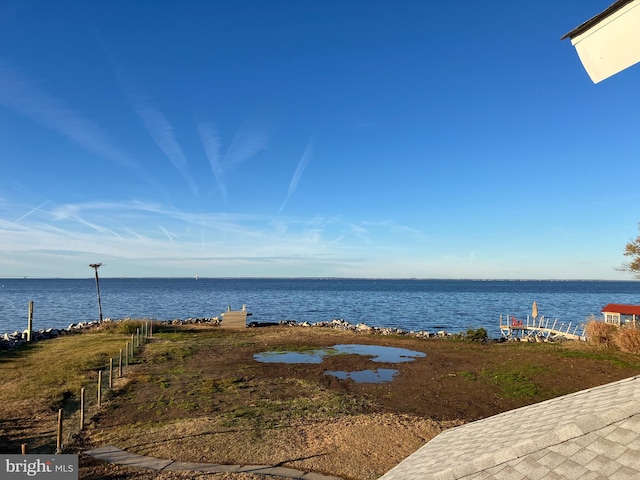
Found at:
[591, 434]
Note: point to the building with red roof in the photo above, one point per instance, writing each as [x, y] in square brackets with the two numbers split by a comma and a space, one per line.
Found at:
[620, 314]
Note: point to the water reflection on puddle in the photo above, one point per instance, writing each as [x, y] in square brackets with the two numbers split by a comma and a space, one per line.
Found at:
[376, 352]
[312, 356]
[380, 353]
[380, 375]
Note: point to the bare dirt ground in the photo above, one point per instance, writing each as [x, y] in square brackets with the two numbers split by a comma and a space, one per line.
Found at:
[200, 396]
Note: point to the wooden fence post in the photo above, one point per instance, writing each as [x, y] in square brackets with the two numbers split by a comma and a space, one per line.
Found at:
[59, 433]
[132, 344]
[120, 365]
[126, 355]
[110, 373]
[99, 388]
[30, 322]
[151, 329]
[25, 450]
[138, 337]
[82, 408]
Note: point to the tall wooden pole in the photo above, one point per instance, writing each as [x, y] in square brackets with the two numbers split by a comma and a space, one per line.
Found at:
[95, 266]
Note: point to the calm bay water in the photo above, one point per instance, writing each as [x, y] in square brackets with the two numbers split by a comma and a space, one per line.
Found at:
[431, 305]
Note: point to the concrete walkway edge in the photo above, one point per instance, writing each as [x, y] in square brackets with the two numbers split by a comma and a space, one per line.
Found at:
[115, 455]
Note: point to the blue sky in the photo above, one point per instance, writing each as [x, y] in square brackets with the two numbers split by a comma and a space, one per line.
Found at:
[351, 138]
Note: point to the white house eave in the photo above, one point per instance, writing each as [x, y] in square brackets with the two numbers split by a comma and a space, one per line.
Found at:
[604, 48]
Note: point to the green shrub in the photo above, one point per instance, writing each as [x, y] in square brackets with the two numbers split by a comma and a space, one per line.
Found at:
[126, 327]
[478, 335]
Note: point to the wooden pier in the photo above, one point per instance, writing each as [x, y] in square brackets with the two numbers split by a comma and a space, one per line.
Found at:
[234, 318]
[540, 329]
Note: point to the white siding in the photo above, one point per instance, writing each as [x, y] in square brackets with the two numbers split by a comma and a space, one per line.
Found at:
[611, 45]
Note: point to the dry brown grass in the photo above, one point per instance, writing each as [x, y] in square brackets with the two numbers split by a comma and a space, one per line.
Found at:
[196, 394]
[627, 339]
[40, 378]
[601, 334]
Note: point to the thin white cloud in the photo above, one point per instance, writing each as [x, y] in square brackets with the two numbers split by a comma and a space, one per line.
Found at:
[247, 143]
[297, 175]
[155, 122]
[31, 211]
[164, 136]
[98, 228]
[24, 96]
[354, 230]
[169, 235]
[211, 144]
[139, 238]
[133, 233]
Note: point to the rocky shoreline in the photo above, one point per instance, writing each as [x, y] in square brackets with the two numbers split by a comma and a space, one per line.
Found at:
[16, 339]
[340, 324]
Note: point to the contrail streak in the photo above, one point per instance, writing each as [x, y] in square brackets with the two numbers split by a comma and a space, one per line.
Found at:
[154, 121]
[24, 96]
[245, 145]
[302, 164]
[211, 144]
[30, 212]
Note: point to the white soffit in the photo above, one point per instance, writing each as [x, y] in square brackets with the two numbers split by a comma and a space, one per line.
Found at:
[611, 45]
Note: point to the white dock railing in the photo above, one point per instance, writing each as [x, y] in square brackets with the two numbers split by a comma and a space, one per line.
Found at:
[543, 328]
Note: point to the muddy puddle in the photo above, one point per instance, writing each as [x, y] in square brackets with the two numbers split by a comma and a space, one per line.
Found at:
[377, 353]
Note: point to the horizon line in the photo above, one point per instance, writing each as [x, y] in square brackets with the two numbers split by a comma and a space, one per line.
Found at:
[34, 277]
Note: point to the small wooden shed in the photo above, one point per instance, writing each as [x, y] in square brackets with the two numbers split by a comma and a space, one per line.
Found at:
[620, 314]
